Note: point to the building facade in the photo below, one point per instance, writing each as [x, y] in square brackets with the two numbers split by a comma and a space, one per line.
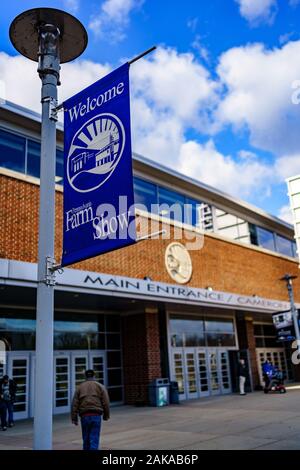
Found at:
[185, 305]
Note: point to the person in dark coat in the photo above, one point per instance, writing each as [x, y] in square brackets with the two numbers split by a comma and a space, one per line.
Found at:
[91, 403]
[8, 389]
[242, 375]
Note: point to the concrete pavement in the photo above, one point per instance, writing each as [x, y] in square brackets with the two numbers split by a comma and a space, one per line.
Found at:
[256, 421]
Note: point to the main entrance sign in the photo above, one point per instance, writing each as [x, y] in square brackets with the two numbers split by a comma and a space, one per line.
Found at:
[98, 183]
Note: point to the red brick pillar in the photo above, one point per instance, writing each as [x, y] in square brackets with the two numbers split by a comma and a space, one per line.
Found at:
[141, 354]
[246, 338]
[252, 352]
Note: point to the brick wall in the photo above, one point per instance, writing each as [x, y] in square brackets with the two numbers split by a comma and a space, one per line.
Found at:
[220, 264]
[141, 355]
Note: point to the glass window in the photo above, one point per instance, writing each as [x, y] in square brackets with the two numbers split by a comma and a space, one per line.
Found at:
[259, 342]
[113, 359]
[17, 324]
[294, 245]
[114, 376]
[18, 341]
[74, 326]
[265, 238]
[253, 234]
[113, 341]
[222, 325]
[171, 204]
[269, 330]
[112, 323]
[144, 193]
[177, 340]
[33, 158]
[271, 342]
[258, 330]
[115, 393]
[187, 323]
[195, 339]
[284, 245]
[12, 151]
[192, 213]
[219, 339]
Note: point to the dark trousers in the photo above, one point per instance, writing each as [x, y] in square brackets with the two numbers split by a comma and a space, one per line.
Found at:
[3, 414]
[6, 409]
[91, 427]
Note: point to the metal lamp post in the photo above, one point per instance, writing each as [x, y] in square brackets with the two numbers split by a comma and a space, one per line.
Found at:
[49, 37]
[289, 283]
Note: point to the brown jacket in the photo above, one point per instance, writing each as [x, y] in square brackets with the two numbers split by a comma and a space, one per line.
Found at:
[90, 397]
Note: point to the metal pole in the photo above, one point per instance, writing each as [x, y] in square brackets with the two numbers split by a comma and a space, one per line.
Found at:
[49, 73]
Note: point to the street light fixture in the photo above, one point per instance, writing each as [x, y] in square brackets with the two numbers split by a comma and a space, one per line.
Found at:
[49, 37]
[288, 278]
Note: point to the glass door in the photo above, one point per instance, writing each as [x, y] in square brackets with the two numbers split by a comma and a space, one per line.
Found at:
[18, 370]
[224, 372]
[97, 363]
[276, 356]
[203, 373]
[62, 382]
[79, 366]
[191, 374]
[213, 372]
[178, 368]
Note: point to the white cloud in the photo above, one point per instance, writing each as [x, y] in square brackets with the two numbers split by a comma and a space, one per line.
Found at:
[111, 21]
[205, 163]
[285, 213]
[258, 95]
[28, 95]
[288, 165]
[200, 48]
[258, 11]
[171, 93]
[72, 5]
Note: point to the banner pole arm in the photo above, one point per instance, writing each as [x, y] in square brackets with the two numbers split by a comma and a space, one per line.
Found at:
[141, 55]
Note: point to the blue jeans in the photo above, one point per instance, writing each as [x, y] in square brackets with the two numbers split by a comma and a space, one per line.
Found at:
[91, 427]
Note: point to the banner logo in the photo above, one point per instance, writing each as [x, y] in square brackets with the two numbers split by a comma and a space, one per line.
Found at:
[95, 152]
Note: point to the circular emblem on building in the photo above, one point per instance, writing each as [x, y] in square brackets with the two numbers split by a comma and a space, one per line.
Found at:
[178, 262]
[95, 152]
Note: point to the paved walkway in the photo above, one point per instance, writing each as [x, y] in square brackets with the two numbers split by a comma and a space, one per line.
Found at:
[256, 421]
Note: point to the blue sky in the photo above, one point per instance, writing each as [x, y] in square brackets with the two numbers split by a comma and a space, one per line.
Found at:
[214, 101]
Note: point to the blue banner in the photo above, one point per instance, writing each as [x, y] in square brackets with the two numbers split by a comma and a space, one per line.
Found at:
[98, 182]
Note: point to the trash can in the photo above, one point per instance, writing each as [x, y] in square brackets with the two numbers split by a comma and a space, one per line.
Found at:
[159, 392]
[174, 393]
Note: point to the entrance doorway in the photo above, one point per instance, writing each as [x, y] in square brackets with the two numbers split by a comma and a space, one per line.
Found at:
[68, 370]
[278, 358]
[201, 372]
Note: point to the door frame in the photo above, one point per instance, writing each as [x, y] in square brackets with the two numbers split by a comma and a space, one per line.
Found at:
[61, 355]
[190, 395]
[11, 356]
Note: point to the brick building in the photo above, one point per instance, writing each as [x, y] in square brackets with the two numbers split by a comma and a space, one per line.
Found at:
[154, 309]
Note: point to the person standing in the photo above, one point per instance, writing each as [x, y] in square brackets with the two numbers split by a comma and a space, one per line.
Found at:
[91, 403]
[242, 374]
[8, 389]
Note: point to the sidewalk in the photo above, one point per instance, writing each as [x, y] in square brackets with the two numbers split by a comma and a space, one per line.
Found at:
[256, 421]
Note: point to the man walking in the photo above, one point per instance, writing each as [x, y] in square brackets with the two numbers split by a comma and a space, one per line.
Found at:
[91, 403]
[242, 374]
[8, 388]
